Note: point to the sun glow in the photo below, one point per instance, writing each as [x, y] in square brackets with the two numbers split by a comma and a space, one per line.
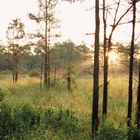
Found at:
[113, 56]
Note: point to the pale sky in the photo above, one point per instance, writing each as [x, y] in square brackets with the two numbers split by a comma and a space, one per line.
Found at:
[76, 21]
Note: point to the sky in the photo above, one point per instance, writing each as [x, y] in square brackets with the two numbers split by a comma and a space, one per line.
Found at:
[76, 20]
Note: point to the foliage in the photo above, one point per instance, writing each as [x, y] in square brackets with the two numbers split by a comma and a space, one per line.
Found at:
[58, 84]
[15, 121]
[34, 73]
[5, 120]
[60, 55]
[46, 15]
[30, 62]
[134, 133]
[24, 119]
[63, 53]
[15, 32]
[59, 119]
[5, 61]
[53, 120]
[2, 95]
[108, 132]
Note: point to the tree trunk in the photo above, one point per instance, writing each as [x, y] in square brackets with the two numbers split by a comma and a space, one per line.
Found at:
[95, 119]
[41, 71]
[46, 50]
[138, 101]
[131, 67]
[13, 75]
[107, 49]
[16, 68]
[105, 88]
[68, 78]
[48, 62]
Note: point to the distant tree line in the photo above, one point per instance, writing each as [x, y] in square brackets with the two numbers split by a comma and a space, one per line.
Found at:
[60, 54]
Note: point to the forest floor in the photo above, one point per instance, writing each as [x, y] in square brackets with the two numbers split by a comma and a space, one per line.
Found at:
[78, 102]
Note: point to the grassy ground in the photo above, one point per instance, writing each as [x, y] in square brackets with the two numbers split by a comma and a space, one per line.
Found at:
[79, 101]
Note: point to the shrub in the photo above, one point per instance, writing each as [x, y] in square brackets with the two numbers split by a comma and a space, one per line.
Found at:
[2, 95]
[5, 72]
[23, 122]
[34, 73]
[135, 134]
[12, 89]
[109, 132]
[29, 116]
[5, 120]
[14, 122]
[64, 120]
[58, 84]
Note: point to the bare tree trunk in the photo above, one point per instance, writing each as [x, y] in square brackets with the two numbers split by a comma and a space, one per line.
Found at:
[46, 49]
[107, 48]
[131, 67]
[16, 76]
[68, 78]
[13, 63]
[95, 119]
[48, 62]
[138, 102]
[105, 89]
[16, 68]
[41, 71]
[14, 71]
[69, 69]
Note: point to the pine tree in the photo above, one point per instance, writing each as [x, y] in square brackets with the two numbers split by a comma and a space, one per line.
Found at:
[15, 33]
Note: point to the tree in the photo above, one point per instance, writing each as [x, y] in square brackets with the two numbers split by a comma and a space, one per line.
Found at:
[69, 59]
[105, 90]
[64, 56]
[108, 44]
[15, 33]
[130, 87]
[95, 117]
[46, 16]
[4, 58]
[138, 99]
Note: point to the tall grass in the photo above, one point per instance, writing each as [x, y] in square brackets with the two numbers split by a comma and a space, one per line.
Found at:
[63, 112]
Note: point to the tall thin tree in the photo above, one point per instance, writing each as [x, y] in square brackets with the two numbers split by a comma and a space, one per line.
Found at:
[107, 48]
[138, 99]
[95, 117]
[15, 32]
[46, 47]
[105, 89]
[47, 16]
[130, 87]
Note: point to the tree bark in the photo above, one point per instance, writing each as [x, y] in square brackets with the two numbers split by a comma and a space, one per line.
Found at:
[16, 67]
[95, 119]
[138, 101]
[107, 49]
[46, 49]
[48, 62]
[105, 89]
[69, 79]
[130, 91]
[41, 71]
